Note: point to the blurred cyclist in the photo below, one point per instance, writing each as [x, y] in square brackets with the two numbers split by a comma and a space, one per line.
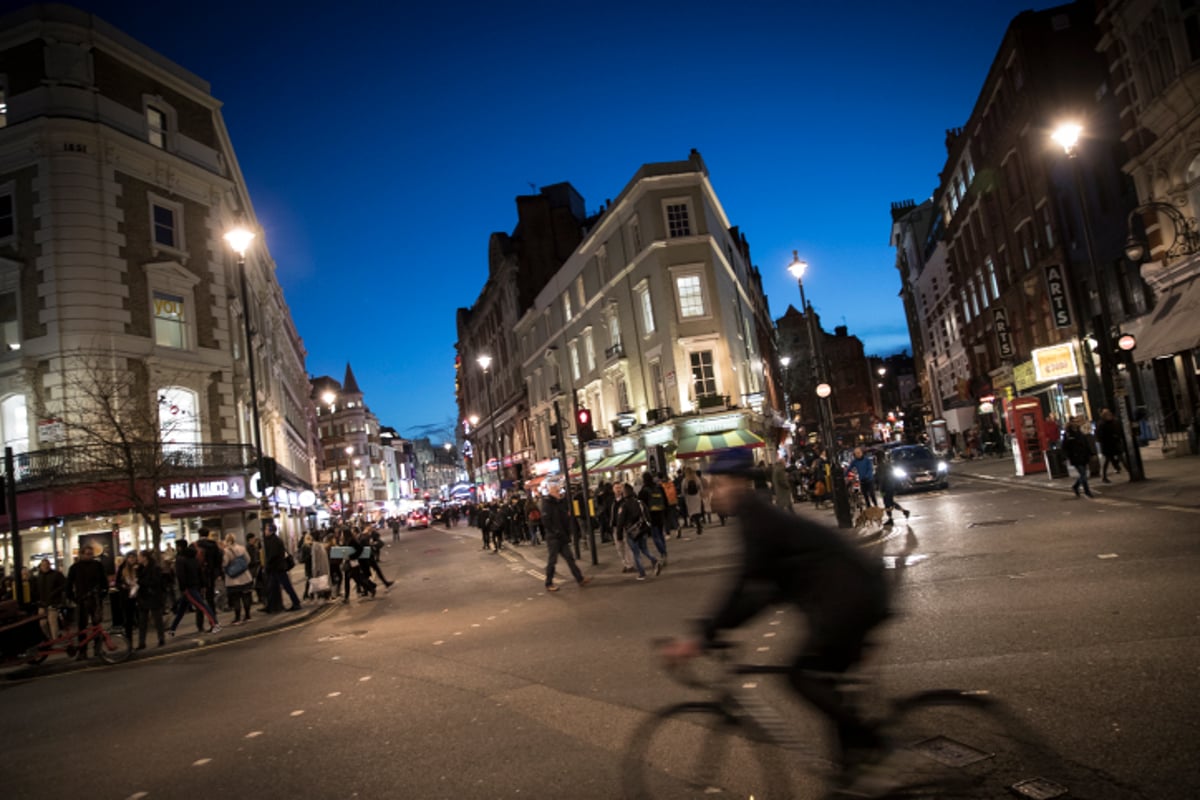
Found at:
[789, 559]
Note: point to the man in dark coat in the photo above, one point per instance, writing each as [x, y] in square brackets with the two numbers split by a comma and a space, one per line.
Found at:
[276, 557]
[86, 587]
[1112, 442]
[1079, 454]
[556, 524]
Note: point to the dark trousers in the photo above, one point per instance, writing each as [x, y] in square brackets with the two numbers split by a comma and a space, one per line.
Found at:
[1115, 460]
[153, 612]
[557, 547]
[867, 485]
[240, 600]
[91, 612]
[280, 580]
[193, 598]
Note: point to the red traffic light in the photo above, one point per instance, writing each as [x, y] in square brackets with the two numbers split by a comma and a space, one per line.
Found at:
[584, 416]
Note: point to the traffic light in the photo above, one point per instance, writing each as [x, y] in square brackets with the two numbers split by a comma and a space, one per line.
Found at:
[556, 443]
[583, 426]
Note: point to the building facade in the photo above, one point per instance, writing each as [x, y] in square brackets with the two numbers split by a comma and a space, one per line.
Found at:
[653, 325]
[358, 471]
[1153, 53]
[119, 298]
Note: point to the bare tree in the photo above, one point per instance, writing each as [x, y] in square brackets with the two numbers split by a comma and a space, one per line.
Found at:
[128, 436]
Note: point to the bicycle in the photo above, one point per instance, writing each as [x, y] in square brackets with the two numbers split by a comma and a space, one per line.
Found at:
[937, 743]
[114, 647]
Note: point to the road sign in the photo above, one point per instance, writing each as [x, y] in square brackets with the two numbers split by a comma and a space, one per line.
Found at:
[598, 443]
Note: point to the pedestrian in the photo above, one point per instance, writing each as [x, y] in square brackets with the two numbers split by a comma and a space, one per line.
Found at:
[124, 594]
[781, 484]
[534, 514]
[655, 501]
[1051, 432]
[887, 488]
[1112, 442]
[818, 478]
[321, 584]
[556, 524]
[278, 562]
[1079, 455]
[375, 543]
[692, 489]
[49, 592]
[257, 576]
[863, 464]
[208, 556]
[353, 570]
[150, 596]
[191, 587]
[86, 587]
[239, 585]
[634, 521]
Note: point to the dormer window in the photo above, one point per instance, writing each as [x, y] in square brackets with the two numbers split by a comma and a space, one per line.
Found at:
[156, 127]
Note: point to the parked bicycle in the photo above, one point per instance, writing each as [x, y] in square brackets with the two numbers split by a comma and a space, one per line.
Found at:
[937, 743]
[22, 639]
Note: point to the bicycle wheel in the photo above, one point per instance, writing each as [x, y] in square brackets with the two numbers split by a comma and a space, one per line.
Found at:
[953, 744]
[700, 749]
[114, 647]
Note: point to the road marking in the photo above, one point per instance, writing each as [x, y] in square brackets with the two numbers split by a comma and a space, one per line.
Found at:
[492, 617]
[336, 658]
[364, 679]
[768, 635]
[458, 633]
[334, 694]
[1107, 555]
[254, 734]
[440, 641]
[762, 649]
[749, 685]
[474, 624]
[775, 622]
[297, 712]
[138, 795]
[200, 762]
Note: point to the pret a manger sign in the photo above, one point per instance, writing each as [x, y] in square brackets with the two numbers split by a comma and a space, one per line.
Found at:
[206, 489]
[1055, 363]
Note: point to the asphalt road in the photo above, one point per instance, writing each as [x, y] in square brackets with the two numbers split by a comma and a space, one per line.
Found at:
[467, 680]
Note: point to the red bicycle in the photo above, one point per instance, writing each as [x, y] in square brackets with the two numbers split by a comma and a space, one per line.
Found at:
[23, 640]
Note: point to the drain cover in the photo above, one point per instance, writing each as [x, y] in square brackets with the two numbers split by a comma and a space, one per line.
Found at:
[945, 750]
[991, 523]
[1039, 789]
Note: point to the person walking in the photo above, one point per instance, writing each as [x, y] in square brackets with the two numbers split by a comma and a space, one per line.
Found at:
[239, 584]
[321, 583]
[208, 556]
[634, 521]
[278, 562]
[1079, 455]
[1112, 440]
[887, 488]
[191, 586]
[124, 594]
[655, 501]
[781, 485]
[692, 489]
[86, 586]
[863, 465]
[556, 524]
[150, 596]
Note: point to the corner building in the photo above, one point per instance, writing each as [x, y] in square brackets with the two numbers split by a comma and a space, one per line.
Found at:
[654, 323]
[117, 182]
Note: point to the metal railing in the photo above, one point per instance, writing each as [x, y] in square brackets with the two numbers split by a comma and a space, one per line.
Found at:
[615, 351]
[100, 462]
[656, 415]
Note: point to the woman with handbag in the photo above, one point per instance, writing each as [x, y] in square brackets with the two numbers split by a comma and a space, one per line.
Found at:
[633, 520]
[239, 579]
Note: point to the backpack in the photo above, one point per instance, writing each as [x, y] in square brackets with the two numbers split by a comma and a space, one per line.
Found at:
[693, 487]
[669, 490]
[657, 500]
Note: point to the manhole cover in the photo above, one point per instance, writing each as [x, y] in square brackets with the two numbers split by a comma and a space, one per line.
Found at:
[1039, 789]
[945, 750]
[991, 523]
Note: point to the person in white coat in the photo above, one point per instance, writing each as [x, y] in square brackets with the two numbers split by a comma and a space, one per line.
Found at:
[239, 586]
[693, 489]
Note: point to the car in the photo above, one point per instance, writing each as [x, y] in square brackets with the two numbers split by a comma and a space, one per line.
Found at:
[914, 467]
[418, 519]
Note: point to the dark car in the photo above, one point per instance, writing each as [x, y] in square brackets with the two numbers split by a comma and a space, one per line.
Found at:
[915, 466]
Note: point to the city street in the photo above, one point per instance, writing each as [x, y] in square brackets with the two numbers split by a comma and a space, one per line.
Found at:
[468, 680]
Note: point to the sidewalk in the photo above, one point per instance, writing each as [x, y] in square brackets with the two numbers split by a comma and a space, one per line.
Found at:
[186, 638]
[1169, 481]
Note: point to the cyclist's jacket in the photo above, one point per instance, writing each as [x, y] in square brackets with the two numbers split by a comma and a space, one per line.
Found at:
[85, 578]
[789, 559]
[187, 569]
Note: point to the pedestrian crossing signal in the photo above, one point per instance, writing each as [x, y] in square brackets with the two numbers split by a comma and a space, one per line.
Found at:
[583, 426]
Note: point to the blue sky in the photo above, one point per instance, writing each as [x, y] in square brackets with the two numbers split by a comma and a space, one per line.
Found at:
[383, 144]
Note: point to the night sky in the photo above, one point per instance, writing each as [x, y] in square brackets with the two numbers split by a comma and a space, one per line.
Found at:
[383, 143]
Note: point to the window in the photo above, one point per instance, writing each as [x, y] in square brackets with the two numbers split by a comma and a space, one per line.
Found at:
[622, 394]
[656, 383]
[165, 221]
[178, 420]
[8, 216]
[691, 297]
[983, 295]
[991, 277]
[647, 305]
[1047, 226]
[704, 378]
[678, 219]
[635, 235]
[566, 307]
[589, 350]
[602, 264]
[579, 292]
[10, 333]
[573, 347]
[156, 127]
[170, 322]
[14, 422]
[614, 330]
[966, 306]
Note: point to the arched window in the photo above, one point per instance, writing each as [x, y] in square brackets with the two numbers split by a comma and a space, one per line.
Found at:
[178, 419]
[14, 423]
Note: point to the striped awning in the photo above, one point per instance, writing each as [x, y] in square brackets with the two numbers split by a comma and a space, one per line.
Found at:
[638, 459]
[592, 461]
[708, 443]
[612, 462]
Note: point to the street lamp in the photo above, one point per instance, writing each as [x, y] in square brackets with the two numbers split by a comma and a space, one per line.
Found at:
[1067, 135]
[841, 500]
[784, 361]
[239, 240]
[330, 399]
[354, 478]
[485, 361]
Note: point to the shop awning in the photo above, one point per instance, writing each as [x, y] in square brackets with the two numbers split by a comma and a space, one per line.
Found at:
[592, 461]
[1172, 327]
[611, 462]
[638, 459]
[708, 443]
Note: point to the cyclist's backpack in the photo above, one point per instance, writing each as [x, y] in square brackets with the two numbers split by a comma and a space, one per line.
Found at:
[657, 500]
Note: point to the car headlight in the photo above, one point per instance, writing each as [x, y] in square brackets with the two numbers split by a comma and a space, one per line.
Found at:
[943, 466]
[898, 472]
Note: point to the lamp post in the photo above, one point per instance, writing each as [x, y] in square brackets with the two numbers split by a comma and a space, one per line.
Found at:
[485, 361]
[239, 239]
[348, 450]
[330, 399]
[1067, 135]
[841, 500]
[354, 478]
[784, 361]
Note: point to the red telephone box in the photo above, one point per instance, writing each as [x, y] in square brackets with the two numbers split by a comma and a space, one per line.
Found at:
[1025, 421]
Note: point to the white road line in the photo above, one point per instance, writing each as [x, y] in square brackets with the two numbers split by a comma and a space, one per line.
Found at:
[298, 712]
[492, 617]
[1107, 555]
[749, 685]
[364, 679]
[474, 624]
[334, 694]
[458, 633]
[762, 649]
[200, 762]
[138, 795]
[775, 622]
[440, 641]
[768, 635]
[253, 734]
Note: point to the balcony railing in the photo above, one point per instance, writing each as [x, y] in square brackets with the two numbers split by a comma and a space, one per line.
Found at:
[555, 390]
[615, 351]
[705, 401]
[657, 415]
[100, 462]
